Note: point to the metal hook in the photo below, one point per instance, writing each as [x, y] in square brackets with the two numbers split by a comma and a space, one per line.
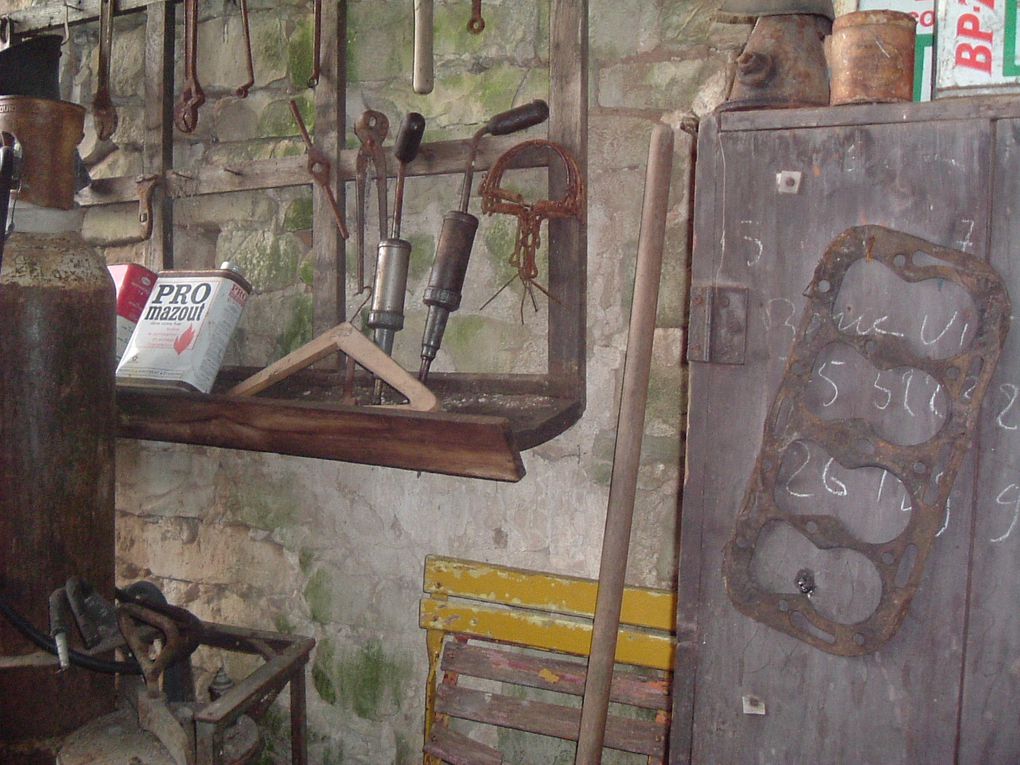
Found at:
[6, 32]
[67, 26]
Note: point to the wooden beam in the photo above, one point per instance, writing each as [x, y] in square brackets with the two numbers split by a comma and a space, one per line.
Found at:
[463, 445]
[442, 157]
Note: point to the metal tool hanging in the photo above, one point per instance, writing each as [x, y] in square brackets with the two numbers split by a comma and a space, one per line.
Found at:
[457, 236]
[531, 214]
[320, 168]
[476, 23]
[386, 317]
[316, 44]
[371, 129]
[192, 96]
[423, 76]
[104, 114]
[242, 90]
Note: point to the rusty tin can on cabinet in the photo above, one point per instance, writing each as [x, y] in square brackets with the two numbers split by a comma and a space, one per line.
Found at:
[871, 57]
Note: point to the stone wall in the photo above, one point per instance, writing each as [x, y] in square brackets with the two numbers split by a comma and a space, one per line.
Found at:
[336, 550]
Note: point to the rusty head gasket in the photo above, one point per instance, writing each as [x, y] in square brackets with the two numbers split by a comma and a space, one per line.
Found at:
[927, 470]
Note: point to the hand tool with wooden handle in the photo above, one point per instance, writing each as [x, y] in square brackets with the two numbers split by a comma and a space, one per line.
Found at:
[103, 111]
[423, 78]
[627, 457]
[394, 256]
[457, 236]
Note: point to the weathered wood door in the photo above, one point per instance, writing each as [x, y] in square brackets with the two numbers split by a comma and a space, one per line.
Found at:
[773, 190]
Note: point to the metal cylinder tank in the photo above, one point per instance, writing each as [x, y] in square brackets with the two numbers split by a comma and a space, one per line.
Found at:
[57, 429]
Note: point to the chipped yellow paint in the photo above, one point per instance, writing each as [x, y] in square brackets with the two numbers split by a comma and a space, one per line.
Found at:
[548, 675]
[453, 577]
[552, 633]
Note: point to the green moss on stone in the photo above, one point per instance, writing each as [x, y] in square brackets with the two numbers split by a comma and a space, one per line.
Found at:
[368, 677]
[277, 120]
[299, 55]
[298, 216]
[665, 397]
[270, 262]
[423, 250]
[283, 624]
[305, 560]
[319, 596]
[299, 327]
[405, 754]
[499, 243]
[334, 755]
[264, 504]
[323, 671]
[306, 273]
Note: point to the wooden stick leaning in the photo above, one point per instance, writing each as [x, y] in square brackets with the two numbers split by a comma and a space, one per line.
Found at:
[627, 457]
[343, 337]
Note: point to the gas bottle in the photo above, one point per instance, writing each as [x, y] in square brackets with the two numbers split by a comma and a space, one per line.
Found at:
[57, 424]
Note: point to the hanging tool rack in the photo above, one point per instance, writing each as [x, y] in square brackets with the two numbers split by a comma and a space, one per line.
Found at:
[487, 418]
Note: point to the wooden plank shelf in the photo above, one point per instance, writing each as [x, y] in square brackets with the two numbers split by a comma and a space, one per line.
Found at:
[465, 445]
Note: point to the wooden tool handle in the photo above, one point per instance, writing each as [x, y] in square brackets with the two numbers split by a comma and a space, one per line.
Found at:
[424, 77]
[627, 457]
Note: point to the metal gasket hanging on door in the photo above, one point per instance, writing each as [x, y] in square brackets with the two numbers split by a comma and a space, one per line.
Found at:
[927, 469]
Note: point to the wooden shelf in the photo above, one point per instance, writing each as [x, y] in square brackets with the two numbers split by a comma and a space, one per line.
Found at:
[437, 442]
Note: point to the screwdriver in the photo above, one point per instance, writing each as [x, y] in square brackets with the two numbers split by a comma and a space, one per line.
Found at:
[457, 236]
[386, 316]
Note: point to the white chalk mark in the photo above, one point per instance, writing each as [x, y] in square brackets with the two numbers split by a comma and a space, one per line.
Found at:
[879, 331]
[1016, 510]
[757, 242]
[924, 324]
[835, 388]
[807, 459]
[1010, 390]
[907, 377]
[967, 394]
[905, 506]
[931, 401]
[881, 483]
[840, 490]
[886, 391]
[856, 323]
[770, 321]
[945, 522]
[966, 241]
[963, 332]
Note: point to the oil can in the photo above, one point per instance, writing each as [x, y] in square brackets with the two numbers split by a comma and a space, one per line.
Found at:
[183, 332]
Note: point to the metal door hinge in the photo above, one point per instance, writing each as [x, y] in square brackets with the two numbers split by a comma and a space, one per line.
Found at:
[718, 324]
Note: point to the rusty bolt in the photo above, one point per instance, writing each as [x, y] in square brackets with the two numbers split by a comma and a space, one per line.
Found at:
[755, 69]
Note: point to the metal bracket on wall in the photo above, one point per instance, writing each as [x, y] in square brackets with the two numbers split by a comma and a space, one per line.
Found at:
[927, 469]
[718, 324]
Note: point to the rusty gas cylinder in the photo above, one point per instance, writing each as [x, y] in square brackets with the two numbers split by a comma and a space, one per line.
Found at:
[871, 57]
[57, 430]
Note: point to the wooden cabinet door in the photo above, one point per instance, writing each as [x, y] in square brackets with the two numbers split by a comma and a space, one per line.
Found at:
[989, 715]
[754, 230]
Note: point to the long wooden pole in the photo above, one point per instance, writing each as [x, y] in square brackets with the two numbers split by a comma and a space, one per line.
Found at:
[627, 458]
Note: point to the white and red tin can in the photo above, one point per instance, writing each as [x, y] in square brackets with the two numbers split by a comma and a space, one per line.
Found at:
[184, 329]
[133, 283]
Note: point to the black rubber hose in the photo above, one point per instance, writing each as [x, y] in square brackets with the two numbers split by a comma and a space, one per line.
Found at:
[82, 660]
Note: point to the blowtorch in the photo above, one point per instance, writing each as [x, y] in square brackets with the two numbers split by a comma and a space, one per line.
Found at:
[456, 237]
[386, 317]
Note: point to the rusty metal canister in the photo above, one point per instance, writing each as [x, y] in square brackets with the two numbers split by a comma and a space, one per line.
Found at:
[783, 64]
[57, 430]
[871, 57]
